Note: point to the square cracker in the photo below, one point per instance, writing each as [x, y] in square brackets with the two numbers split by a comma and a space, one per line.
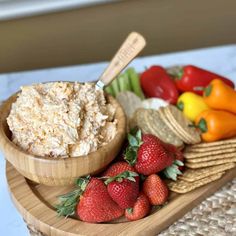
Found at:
[217, 143]
[212, 157]
[209, 163]
[195, 149]
[221, 152]
[191, 175]
[181, 186]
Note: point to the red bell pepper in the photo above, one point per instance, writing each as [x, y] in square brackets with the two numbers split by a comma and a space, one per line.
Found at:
[156, 82]
[193, 79]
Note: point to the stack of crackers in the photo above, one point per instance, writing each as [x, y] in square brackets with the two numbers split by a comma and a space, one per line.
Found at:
[168, 124]
[205, 163]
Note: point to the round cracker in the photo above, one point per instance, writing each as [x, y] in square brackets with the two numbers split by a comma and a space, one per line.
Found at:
[130, 102]
[140, 121]
[183, 124]
[160, 129]
[169, 124]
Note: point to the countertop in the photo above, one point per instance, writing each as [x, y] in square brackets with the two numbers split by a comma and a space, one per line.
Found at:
[221, 60]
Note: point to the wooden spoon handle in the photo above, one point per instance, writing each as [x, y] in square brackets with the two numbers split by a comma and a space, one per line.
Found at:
[134, 43]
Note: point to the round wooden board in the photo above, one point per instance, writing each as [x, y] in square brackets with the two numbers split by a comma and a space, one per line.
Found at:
[35, 203]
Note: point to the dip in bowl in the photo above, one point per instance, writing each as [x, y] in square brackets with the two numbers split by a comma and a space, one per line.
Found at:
[56, 132]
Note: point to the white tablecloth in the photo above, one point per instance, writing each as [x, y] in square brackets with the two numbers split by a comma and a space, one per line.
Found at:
[221, 60]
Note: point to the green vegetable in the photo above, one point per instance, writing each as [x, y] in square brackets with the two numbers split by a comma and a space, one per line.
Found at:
[135, 83]
[124, 83]
[110, 91]
[127, 81]
[115, 87]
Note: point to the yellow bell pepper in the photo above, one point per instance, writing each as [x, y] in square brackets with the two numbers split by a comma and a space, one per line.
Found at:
[191, 105]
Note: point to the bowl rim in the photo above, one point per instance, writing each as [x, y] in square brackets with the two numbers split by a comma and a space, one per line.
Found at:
[121, 130]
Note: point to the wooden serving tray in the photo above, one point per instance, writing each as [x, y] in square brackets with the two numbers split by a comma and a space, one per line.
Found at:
[35, 203]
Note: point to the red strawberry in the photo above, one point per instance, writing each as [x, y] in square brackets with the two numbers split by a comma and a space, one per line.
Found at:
[155, 189]
[117, 168]
[140, 209]
[152, 157]
[96, 205]
[177, 154]
[146, 138]
[124, 188]
[149, 155]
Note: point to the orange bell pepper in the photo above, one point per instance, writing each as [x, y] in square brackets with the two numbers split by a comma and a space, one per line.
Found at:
[219, 95]
[216, 125]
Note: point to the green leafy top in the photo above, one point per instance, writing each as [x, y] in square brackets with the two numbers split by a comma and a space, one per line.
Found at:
[124, 175]
[171, 172]
[135, 140]
[68, 201]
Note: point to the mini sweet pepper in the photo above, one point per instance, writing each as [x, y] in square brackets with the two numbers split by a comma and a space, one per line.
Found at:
[190, 78]
[156, 82]
[191, 105]
[216, 125]
[219, 95]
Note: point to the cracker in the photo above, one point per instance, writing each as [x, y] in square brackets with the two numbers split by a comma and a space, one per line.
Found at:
[138, 119]
[193, 149]
[196, 155]
[212, 157]
[183, 124]
[217, 143]
[130, 102]
[209, 163]
[166, 120]
[191, 175]
[172, 124]
[158, 128]
[181, 186]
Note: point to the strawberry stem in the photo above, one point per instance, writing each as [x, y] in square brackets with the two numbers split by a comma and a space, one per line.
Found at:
[130, 210]
[171, 172]
[68, 201]
[120, 177]
[135, 141]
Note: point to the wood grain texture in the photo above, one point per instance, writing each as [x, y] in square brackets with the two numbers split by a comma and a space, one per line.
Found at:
[54, 172]
[131, 47]
[35, 203]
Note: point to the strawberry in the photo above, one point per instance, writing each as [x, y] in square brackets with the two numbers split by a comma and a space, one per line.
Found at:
[91, 202]
[140, 209]
[96, 205]
[149, 155]
[152, 158]
[124, 188]
[155, 189]
[118, 168]
[177, 154]
[175, 169]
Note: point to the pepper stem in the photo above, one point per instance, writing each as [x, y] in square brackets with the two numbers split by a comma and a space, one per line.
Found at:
[208, 90]
[180, 106]
[202, 125]
[179, 74]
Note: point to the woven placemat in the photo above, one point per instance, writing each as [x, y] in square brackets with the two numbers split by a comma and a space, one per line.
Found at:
[216, 216]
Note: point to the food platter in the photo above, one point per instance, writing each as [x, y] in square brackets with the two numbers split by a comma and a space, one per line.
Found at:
[36, 202]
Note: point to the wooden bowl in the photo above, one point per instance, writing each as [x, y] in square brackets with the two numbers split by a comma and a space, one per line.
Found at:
[55, 172]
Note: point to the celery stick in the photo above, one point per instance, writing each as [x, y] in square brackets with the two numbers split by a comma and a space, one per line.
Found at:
[115, 87]
[110, 91]
[135, 83]
[124, 84]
